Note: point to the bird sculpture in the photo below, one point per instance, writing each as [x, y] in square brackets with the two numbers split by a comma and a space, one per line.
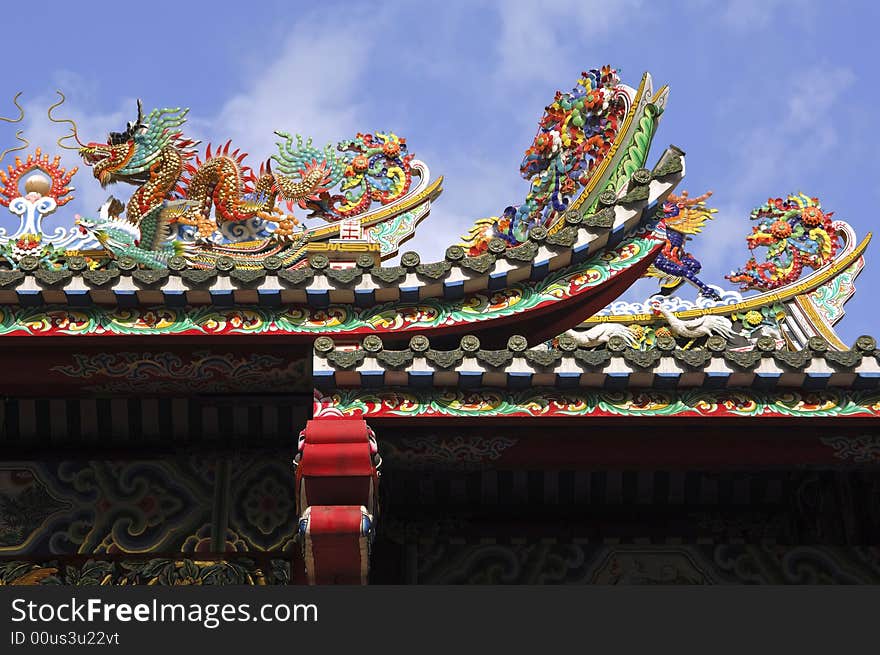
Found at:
[599, 335]
[684, 218]
[705, 326]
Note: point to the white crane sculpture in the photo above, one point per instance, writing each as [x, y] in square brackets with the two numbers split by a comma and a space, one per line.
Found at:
[599, 335]
[705, 326]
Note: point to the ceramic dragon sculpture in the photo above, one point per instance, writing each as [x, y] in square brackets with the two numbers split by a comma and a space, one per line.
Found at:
[175, 187]
[796, 234]
[147, 243]
[154, 156]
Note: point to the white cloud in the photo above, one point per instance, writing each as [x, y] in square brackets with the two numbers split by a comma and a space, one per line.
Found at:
[808, 109]
[722, 245]
[481, 187]
[530, 44]
[311, 87]
[752, 15]
[792, 140]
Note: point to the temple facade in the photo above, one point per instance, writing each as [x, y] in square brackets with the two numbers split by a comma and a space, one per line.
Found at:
[222, 378]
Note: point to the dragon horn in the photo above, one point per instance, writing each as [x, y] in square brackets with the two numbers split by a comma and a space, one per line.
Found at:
[703, 197]
[684, 200]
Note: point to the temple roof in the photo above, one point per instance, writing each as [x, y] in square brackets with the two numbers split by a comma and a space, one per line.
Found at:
[665, 365]
[206, 247]
[316, 283]
[609, 383]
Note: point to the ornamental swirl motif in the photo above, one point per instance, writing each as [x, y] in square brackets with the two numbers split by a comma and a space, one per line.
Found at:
[458, 452]
[861, 450]
[553, 402]
[144, 366]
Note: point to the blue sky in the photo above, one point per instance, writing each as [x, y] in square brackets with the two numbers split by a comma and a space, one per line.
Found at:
[767, 96]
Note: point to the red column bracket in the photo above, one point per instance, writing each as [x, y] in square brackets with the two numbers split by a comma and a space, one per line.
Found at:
[336, 543]
[337, 477]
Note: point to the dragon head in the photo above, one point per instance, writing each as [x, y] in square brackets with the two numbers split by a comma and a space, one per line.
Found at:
[690, 210]
[112, 232]
[763, 237]
[109, 159]
[128, 155]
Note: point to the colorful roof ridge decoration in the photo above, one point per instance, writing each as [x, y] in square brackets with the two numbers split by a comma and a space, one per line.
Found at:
[549, 403]
[218, 207]
[596, 251]
[589, 141]
[225, 201]
[615, 379]
[796, 233]
[45, 188]
[205, 309]
[205, 241]
[59, 188]
[809, 302]
[684, 217]
[583, 281]
[767, 362]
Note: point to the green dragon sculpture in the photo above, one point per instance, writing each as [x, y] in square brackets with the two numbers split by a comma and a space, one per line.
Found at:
[150, 247]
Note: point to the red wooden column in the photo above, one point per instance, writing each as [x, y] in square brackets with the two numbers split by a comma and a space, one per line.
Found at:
[337, 479]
